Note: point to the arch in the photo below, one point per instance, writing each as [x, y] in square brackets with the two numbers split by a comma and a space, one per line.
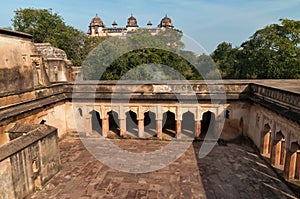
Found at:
[132, 123]
[265, 146]
[150, 124]
[113, 122]
[188, 124]
[207, 124]
[80, 113]
[227, 114]
[242, 126]
[42, 121]
[278, 150]
[169, 123]
[292, 162]
[96, 121]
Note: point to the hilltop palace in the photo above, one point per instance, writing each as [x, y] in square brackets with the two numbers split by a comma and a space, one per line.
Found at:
[98, 29]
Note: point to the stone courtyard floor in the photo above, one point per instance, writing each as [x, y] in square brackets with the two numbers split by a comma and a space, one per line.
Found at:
[232, 171]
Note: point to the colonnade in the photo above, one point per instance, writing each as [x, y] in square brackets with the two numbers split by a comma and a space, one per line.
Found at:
[105, 112]
[279, 144]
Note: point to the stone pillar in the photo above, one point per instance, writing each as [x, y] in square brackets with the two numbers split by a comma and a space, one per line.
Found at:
[283, 153]
[276, 152]
[178, 129]
[264, 149]
[104, 127]
[290, 165]
[197, 128]
[122, 127]
[141, 128]
[88, 125]
[297, 173]
[159, 128]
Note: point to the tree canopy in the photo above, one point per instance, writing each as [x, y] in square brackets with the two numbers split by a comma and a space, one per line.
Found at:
[272, 52]
[142, 56]
[46, 26]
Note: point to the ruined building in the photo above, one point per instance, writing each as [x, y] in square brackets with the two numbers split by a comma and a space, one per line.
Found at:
[40, 104]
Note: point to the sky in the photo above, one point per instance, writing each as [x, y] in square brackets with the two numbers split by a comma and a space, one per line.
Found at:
[207, 22]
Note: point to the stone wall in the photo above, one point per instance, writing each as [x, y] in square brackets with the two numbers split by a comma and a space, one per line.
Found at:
[28, 161]
[16, 71]
[57, 66]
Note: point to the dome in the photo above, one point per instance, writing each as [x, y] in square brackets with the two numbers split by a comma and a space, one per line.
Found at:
[96, 21]
[132, 22]
[149, 23]
[166, 22]
[114, 23]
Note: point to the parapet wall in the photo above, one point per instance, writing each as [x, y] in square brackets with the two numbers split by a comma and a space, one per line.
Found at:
[16, 71]
[28, 161]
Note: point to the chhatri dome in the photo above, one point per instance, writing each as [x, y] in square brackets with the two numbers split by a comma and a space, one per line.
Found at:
[98, 29]
[97, 21]
[166, 22]
[132, 22]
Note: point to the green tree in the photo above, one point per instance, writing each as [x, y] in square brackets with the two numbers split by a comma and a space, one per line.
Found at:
[225, 57]
[272, 52]
[46, 26]
[141, 55]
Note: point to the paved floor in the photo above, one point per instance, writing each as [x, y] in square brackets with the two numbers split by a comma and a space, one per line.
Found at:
[231, 171]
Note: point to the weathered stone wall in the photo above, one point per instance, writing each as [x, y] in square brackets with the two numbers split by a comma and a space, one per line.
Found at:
[57, 66]
[6, 185]
[29, 161]
[16, 72]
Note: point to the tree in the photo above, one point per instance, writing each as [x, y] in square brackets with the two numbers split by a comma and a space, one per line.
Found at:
[46, 26]
[141, 56]
[225, 57]
[272, 52]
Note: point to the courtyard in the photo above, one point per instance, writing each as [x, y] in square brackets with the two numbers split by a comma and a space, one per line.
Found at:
[228, 171]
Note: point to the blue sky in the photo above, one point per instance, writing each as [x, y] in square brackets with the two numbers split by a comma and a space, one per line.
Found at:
[208, 22]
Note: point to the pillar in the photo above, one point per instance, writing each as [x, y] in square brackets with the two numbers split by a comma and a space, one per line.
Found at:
[88, 125]
[141, 128]
[197, 128]
[178, 129]
[105, 127]
[290, 165]
[283, 153]
[297, 172]
[276, 152]
[122, 127]
[265, 144]
[159, 128]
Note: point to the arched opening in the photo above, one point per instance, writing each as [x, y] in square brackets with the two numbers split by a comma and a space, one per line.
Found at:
[227, 113]
[150, 124]
[291, 167]
[169, 124]
[266, 140]
[188, 125]
[278, 151]
[114, 122]
[80, 112]
[35, 173]
[132, 123]
[42, 121]
[96, 121]
[207, 124]
[242, 126]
